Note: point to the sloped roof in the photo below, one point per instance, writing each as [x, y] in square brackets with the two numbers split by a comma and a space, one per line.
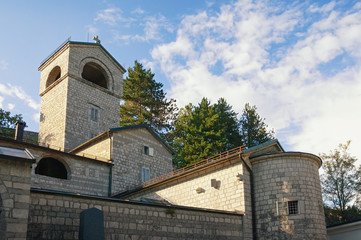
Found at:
[146, 127]
[119, 129]
[81, 43]
[16, 153]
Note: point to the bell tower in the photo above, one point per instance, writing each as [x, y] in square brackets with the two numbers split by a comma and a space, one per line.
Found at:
[80, 89]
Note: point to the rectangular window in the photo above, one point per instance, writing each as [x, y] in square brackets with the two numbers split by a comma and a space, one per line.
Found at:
[145, 174]
[148, 151]
[293, 207]
[94, 113]
[286, 207]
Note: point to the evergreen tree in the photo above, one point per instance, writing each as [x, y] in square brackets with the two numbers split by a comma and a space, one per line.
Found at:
[229, 123]
[197, 133]
[145, 101]
[341, 181]
[204, 130]
[253, 129]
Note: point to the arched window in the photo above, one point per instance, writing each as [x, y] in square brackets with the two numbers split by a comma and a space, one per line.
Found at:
[53, 76]
[52, 168]
[95, 74]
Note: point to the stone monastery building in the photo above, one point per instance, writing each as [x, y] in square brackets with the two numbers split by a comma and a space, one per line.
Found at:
[84, 160]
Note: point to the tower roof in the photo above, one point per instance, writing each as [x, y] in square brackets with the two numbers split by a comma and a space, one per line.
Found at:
[67, 44]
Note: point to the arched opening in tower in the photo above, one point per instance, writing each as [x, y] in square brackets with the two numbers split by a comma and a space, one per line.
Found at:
[53, 76]
[95, 74]
[51, 167]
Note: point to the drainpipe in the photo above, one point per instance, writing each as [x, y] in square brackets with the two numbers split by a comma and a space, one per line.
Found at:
[253, 204]
[110, 166]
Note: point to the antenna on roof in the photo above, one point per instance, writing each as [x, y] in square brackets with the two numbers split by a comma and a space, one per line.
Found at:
[96, 39]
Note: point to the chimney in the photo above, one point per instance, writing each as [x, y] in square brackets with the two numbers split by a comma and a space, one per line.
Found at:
[19, 131]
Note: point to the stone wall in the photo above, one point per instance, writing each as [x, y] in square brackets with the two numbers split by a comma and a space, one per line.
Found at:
[100, 148]
[65, 105]
[56, 216]
[14, 198]
[53, 116]
[85, 175]
[82, 95]
[129, 158]
[288, 177]
[229, 193]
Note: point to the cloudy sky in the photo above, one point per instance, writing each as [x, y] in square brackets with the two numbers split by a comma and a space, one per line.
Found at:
[299, 62]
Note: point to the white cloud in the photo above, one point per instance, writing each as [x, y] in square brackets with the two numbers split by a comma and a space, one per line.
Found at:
[3, 65]
[303, 75]
[16, 91]
[111, 16]
[1, 101]
[153, 26]
[138, 11]
[36, 117]
[10, 106]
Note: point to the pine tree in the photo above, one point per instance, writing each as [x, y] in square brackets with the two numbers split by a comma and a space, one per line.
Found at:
[145, 101]
[229, 122]
[253, 129]
[204, 130]
[197, 133]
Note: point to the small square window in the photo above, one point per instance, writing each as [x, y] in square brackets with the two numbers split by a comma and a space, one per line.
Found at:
[148, 151]
[293, 207]
[287, 208]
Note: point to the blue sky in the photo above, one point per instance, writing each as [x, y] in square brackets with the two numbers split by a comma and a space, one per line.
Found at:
[299, 62]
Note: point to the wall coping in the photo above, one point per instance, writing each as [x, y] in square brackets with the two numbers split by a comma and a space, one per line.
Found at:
[309, 156]
[131, 202]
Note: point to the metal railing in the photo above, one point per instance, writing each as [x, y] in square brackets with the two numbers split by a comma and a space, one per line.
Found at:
[209, 160]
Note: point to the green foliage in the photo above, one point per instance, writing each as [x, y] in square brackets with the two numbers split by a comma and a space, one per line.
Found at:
[7, 122]
[145, 101]
[204, 130]
[229, 123]
[341, 181]
[333, 216]
[253, 129]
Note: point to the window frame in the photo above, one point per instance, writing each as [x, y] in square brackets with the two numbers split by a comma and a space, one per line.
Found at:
[94, 113]
[145, 174]
[287, 207]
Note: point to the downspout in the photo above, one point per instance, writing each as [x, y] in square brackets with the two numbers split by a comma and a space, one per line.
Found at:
[242, 227]
[110, 166]
[253, 204]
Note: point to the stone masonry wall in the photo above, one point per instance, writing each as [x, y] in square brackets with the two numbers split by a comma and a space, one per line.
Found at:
[129, 158]
[100, 148]
[288, 177]
[52, 116]
[81, 96]
[14, 198]
[56, 216]
[86, 176]
[230, 193]
[65, 105]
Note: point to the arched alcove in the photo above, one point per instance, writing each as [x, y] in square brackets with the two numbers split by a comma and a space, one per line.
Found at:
[95, 74]
[51, 167]
[53, 76]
